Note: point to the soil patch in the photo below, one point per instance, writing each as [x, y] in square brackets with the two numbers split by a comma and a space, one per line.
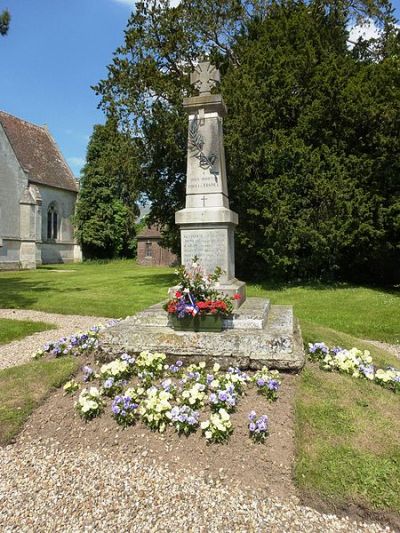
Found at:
[266, 467]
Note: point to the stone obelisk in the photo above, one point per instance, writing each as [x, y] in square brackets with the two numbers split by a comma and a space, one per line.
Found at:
[207, 225]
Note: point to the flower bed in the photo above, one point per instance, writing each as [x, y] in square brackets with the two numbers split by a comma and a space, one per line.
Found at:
[356, 363]
[162, 395]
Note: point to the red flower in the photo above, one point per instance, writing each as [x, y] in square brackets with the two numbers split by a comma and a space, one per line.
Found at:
[171, 307]
[178, 294]
[236, 296]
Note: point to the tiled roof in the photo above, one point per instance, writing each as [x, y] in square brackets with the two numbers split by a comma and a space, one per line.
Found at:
[38, 153]
[148, 233]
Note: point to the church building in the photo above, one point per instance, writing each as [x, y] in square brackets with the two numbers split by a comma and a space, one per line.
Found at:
[38, 193]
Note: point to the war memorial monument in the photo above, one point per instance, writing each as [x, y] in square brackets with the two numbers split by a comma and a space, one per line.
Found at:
[257, 333]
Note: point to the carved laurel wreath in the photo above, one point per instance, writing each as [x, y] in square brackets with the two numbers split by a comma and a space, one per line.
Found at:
[196, 144]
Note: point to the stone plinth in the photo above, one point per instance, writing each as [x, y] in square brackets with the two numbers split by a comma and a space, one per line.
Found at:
[258, 334]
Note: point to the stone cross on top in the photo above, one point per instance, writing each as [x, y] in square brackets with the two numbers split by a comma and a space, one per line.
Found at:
[205, 77]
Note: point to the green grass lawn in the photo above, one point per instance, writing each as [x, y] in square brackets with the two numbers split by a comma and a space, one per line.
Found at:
[348, 449]
[22, 388]
[11, 330]
[347, 433]
[112, 289]
[120, 288]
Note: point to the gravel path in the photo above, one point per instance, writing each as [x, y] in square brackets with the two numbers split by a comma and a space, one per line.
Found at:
[45, 488]
[18, 352]
[393, 348]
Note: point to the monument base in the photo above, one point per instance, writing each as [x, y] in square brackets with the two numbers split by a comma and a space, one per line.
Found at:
[257, 334]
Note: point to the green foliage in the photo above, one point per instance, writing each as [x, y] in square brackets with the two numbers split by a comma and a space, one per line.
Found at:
[311, 139]
[106, 208]
[5, 18]
[311, 135]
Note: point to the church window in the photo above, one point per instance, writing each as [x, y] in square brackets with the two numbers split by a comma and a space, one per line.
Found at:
[149, 249]
[52, 223]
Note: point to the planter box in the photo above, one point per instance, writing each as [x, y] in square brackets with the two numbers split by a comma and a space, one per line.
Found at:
[196, 323]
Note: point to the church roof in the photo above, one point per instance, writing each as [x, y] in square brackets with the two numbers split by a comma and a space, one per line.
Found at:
[150, 233]
[37, 153]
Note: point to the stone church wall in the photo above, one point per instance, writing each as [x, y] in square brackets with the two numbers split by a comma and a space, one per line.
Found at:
[13, 181]
[64, 248]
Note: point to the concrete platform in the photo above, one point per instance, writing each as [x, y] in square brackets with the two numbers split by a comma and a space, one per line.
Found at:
[258, 334]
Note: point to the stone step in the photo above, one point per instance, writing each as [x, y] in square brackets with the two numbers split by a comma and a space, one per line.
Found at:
[277, 345]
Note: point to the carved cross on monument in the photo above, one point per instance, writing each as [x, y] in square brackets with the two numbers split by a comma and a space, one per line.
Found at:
[205, 77]
[203, 199]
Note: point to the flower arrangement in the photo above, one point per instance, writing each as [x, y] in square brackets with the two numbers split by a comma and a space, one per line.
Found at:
[223, 398]
[74, 345]
[89, 404]
[154, 408]
[136, 393]
[193, 396]
[117, 369]
[150, 364]
[196, 294]
[124, 410]
[258, 427]
[388, 378]
[356, 363]
[236, 378]
[218, 427]
[71, 386]
[88, 374]
[112, 386]
[268, 383]
[185, 419]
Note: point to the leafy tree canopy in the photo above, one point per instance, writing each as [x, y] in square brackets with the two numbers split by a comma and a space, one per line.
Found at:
[107, 205]
[311, 136]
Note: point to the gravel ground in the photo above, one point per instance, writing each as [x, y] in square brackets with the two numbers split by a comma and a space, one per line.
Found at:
[393, 348]
[19, 352]
[47, 488]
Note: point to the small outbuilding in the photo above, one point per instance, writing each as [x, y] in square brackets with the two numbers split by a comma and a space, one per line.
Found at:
[149, 249]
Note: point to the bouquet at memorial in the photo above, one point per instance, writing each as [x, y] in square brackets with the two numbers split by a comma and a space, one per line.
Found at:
[196, 294]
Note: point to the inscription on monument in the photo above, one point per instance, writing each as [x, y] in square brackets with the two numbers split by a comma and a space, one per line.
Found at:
[209, 245]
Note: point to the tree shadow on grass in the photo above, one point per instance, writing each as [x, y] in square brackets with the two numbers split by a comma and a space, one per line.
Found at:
[17, 293]
[13, 293]
[152, 279]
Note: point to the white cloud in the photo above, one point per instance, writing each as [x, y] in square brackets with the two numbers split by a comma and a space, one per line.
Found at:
[368, 30]
[131, 3]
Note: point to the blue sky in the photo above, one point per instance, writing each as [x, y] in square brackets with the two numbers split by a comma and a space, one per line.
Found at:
[55, 50]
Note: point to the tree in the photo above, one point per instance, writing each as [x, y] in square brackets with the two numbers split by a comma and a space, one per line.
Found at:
[107, 204]
[312, 143]
[5, 18]
[310, 138]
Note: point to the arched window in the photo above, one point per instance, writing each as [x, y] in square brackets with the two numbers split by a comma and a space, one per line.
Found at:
[52, 222]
